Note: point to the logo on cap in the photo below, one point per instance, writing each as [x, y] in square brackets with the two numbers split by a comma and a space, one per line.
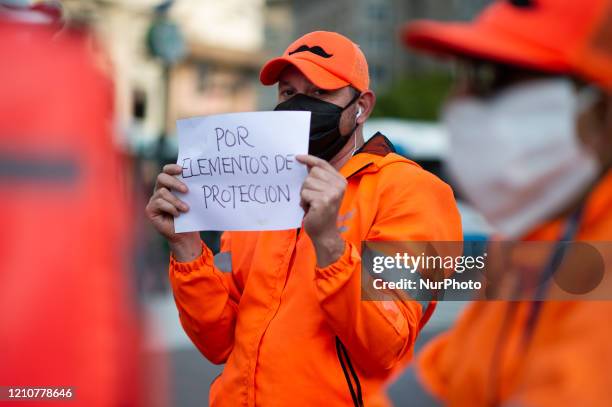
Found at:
[315, 50]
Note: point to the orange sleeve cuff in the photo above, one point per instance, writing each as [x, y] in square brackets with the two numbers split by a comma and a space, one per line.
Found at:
[205, 259]
[345, 264]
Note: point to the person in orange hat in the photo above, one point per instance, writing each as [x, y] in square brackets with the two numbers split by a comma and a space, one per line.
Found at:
[285, 316]
[530, 124]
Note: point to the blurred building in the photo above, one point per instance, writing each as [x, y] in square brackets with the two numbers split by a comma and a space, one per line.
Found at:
[374, 25]
[220, 74]
[223, 40]
[279, 31]
[228, 41]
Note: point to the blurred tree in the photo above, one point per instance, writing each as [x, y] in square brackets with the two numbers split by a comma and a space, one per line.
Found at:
[415, 96]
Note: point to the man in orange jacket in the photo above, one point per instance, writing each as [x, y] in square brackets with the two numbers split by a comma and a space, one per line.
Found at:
[285, 313]
[531, 140]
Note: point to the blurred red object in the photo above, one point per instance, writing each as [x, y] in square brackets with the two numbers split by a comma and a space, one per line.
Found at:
[532, 34]
[67, 313]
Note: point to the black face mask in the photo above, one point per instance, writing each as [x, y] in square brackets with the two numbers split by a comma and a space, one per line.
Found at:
[325, 138]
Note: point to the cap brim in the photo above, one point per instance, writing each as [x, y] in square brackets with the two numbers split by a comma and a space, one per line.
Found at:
[323, 79]
[472, 41]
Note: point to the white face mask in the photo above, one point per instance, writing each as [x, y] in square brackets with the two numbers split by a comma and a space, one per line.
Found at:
[517, 157]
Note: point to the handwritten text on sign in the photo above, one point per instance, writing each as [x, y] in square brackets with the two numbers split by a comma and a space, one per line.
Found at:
[241, 171]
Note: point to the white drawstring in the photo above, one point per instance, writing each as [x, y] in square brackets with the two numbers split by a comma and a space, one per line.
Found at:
[355, 137]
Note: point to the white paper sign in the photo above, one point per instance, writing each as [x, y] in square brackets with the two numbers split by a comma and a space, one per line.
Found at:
[241, 171]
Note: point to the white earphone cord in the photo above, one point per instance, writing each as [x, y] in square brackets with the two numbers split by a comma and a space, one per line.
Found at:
[355, 137]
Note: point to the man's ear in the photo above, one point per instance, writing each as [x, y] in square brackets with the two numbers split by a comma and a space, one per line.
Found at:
[366, 102]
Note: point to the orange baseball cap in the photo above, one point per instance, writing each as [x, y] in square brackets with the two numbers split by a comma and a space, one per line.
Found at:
[556, 36]
[327, 59]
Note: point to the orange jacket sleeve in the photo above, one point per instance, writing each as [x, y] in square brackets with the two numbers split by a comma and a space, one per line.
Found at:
[570, 365]
[566, 363]
[207, 300]
[379, 334]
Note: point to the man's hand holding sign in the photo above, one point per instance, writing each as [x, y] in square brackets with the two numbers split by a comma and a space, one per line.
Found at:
[321, 196]
[234, 172]
[163, 207]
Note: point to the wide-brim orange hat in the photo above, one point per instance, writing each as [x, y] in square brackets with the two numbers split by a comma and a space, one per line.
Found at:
[328, 59]
[556, 36]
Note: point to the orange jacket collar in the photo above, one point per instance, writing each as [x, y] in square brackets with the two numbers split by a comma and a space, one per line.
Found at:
[372, 156]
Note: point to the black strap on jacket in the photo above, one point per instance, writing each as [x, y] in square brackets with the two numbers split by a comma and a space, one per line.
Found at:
[342, 356]
[568, 235]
